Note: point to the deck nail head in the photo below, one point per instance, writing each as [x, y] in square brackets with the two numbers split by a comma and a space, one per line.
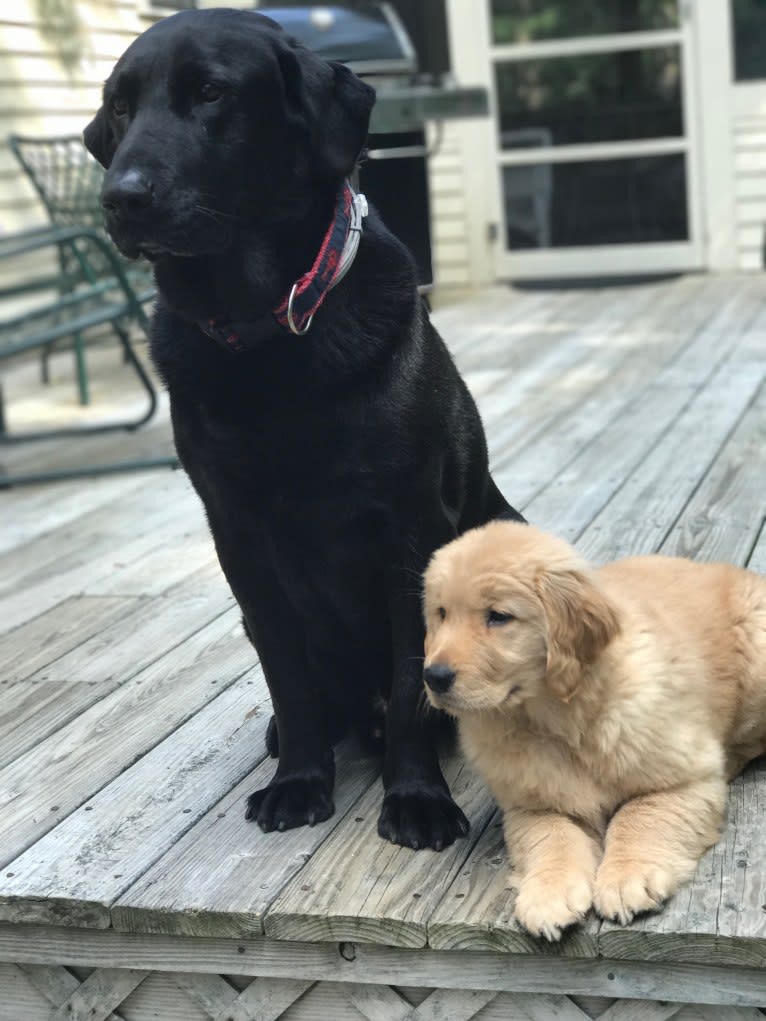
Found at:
[348, 951]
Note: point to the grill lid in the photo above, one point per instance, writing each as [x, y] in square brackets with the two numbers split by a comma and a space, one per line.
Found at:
[367, 36]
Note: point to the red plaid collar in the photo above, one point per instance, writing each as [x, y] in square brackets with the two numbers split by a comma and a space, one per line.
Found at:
[297, 309]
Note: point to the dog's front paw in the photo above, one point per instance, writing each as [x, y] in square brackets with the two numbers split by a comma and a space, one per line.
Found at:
[290, 802]
[622, 892]
[417, 819]
[546, 909]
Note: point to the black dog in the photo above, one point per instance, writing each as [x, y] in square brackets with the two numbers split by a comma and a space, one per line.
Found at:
[331, 465]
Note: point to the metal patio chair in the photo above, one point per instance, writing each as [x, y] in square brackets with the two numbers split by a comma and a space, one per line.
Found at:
[91, 287]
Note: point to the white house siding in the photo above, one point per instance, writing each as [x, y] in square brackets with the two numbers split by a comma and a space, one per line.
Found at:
[39, 97]
[449, 212]
[750, 161]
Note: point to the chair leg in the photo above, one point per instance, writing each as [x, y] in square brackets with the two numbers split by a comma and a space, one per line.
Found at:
[86, 472]
[82, 370]
[84, 430]
[45, 374]
[132, 358]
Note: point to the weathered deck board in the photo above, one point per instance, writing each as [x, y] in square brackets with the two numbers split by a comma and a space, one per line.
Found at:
[70, 560]
[723, 518]
[596, 446]
[368, 964]
[30, 513]
[358, 887]
[757, 561]
[228, 862]
[54, 776]
[591, 358]
[51, 635]
[36, 706]
[74, 873]
[584, 485]
[553, 377]
[641, 513]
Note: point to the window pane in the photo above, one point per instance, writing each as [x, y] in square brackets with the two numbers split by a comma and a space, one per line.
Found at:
[749, 19]
[523, 21]
[595, 98]
[601, 202]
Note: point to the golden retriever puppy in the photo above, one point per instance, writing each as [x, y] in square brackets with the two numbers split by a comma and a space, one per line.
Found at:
[606, 708]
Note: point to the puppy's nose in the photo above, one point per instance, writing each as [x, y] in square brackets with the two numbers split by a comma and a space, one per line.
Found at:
[130, 192]
[439, 677]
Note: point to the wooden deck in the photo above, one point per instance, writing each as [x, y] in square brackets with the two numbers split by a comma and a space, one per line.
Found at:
[133, 714]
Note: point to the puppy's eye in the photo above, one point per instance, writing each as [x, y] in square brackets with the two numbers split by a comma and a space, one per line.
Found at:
[442, 613]
[118, 106]
[497, 619]
[211, 92]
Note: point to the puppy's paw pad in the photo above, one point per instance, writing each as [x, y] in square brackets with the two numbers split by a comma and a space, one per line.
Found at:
[622, 894]
[290, 802]
[421, 819]
[546, 911]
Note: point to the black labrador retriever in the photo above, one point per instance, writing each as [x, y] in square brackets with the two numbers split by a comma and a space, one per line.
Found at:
[333, 456]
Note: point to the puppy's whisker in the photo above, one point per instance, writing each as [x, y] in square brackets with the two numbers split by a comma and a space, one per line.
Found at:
[423, 707]
[413, 572]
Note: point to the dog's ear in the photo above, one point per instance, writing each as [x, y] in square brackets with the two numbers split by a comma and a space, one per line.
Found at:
[346, 121]
[333, 104]
[99, 139]
[580, 622]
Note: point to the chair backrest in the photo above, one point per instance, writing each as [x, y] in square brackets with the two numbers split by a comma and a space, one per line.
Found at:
[69, 181]
[65, 176]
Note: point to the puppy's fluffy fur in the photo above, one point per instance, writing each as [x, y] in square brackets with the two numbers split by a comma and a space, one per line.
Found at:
[606, 708]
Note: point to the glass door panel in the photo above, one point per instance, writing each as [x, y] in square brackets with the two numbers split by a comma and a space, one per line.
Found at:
[596, 202]
[523, 21]
[593, 136]
[595, 97]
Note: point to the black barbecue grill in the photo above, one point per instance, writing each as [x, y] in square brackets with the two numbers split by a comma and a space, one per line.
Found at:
[373, 39]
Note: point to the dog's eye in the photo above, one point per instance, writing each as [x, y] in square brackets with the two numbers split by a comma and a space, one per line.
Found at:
[442, 613]
[211, 92]
[118, 106]
[497, 619]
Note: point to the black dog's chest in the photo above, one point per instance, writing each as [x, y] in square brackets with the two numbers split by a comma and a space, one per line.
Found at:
[303, 494]
[295, 463]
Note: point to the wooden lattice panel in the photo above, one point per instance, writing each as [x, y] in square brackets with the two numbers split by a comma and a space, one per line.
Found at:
[101, 995]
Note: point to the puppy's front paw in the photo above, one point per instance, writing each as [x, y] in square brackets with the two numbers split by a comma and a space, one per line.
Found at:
[290, 802]
[546, 910]
[622, 892]
[417, 819]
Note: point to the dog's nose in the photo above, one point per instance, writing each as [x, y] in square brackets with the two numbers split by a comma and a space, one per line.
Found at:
[439, 677]
[130, 192]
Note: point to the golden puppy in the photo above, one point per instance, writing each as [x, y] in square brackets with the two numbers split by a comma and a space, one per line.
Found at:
[606, 709]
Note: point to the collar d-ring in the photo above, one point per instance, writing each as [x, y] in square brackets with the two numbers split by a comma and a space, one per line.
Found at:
[290, 321]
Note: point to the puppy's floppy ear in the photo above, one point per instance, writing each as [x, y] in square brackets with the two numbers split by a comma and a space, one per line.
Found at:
[581, 622]
[99, 140]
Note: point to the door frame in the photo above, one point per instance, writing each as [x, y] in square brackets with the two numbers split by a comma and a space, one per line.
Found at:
[704, 35]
